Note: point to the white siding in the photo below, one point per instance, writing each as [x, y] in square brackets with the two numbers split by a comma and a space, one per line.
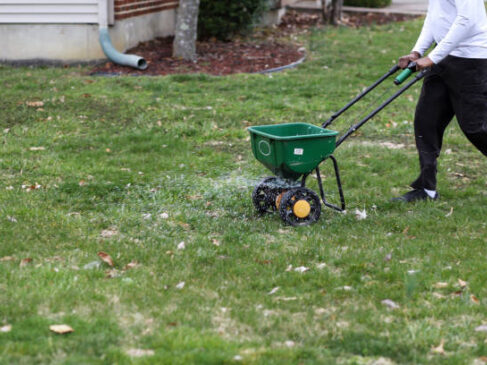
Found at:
[49, 11]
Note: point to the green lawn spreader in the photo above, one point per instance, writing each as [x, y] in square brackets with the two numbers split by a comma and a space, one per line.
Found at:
[292, 151]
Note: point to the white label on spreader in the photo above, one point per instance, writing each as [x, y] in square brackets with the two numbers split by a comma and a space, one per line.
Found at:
[298, 151]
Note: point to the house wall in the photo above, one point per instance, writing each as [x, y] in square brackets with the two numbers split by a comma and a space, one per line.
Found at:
[34, 30]
[67, 30]
[48, 11]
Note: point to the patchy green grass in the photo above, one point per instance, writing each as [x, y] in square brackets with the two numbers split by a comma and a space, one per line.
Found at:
[135, 166]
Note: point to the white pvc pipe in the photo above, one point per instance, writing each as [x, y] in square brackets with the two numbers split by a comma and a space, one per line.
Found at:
[107, 46]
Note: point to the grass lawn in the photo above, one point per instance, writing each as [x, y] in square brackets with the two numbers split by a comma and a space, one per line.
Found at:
[134, 166]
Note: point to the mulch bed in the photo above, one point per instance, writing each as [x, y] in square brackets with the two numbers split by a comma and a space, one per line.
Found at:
[214, 57]
[264, 51]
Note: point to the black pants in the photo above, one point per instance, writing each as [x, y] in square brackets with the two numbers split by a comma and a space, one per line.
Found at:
[454, 87]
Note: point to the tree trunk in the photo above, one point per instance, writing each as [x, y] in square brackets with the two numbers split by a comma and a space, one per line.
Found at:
[336, 11]
[331, 11]
[184, 45]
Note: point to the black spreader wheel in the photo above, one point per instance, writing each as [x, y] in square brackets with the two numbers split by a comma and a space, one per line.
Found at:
[300, 207]
[265, 194]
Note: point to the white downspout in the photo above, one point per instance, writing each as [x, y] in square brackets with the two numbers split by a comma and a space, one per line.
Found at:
[106, 43]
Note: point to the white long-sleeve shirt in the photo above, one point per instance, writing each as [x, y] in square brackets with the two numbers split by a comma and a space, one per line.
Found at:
[459, 28]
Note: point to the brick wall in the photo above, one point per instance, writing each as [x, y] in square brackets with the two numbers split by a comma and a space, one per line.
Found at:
[129, 8]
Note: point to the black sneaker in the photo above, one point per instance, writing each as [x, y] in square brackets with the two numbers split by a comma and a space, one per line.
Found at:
[414, 196]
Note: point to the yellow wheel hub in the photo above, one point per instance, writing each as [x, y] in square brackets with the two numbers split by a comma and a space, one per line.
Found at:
[301, 209]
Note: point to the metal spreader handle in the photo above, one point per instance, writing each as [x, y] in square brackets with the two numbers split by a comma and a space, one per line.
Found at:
[392, 71]
[399, 80]
[353, 128]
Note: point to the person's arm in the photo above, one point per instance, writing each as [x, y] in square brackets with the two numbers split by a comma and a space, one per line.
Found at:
[424, 42]
[459, 30]
[425, 39]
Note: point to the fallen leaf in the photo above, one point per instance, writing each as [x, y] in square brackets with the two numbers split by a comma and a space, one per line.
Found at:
[439, 349]
[112, 273]
[440, 285]
[105, 258]
[92, 265]
[286, 299]
[6, 328]
[438, 295]
[181, 245]
[474, 299]
[321, 311]
[54, 259]
[185, 226]
[392, 146]
[139, 352]
[34, 104]
[289, 268]
[216, 242]
[194, 197]
[360, 214]
[180, 285]
[61, 328]
[25, 261]
[321, 265]
[449, 213]
[462, 283]
[7, 258]
[131, 265]
[40, 148]
[289, 343]
[110, 232]
[273, 291]
[389, 303]
[28, 188]
[301, 269]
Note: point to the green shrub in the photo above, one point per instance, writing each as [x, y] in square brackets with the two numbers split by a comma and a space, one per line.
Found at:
[367, 3]
[223, 19]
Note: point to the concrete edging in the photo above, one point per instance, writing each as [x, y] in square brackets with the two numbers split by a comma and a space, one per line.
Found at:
[282, 68]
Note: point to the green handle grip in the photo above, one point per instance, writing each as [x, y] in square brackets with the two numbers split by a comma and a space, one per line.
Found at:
[405, 73]
[403, 76]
